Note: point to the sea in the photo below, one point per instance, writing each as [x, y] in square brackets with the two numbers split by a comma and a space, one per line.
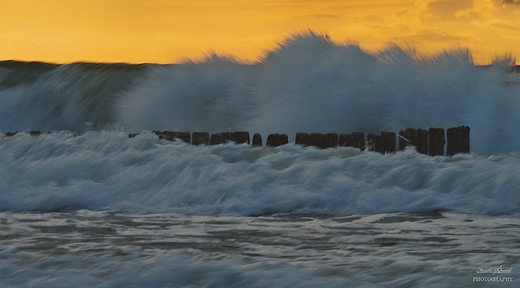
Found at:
[84, 205]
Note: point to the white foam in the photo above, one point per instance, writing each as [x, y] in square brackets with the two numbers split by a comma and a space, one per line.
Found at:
[107, 170]
[313, 85]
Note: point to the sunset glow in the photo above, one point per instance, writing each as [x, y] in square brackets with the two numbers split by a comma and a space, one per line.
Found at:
[166, 31]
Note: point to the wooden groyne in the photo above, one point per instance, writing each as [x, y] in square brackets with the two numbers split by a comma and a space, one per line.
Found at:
[430, 142]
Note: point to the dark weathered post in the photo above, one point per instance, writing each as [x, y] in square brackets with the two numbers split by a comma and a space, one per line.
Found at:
[225, 136]
[257, 140]
[331, 140]
[219, 138]
[172, 135]
[422, 141]
[276, 139]
[388, 139]
[35, 133]
[436, 141]
[317, 139]
[345, 140]
[215, 139]
[375, 143]
[414, 137]
[200, 138]
[302, 139]
[240, 137]
[405, 138]
[323, 141]
[458, 140]
[184, 136]
[356, 140]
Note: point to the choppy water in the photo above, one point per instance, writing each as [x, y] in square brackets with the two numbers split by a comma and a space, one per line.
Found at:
[106, 170]
[100, 209]
[166, 214]
[96, 249]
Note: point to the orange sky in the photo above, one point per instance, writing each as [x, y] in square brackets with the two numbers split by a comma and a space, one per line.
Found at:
[165, 31]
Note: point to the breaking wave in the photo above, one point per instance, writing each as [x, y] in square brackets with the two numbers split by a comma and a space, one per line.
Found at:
[308, 84]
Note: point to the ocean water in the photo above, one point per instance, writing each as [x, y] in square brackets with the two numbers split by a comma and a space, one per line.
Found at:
[86, 206]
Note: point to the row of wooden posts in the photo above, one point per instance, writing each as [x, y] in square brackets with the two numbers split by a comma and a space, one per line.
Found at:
[430, 142]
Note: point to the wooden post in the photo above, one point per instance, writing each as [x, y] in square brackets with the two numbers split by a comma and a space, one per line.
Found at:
[422, 141]
[276, 139]
[223, 137]
[414, 137]
[35, 133]
[172, 135]
[215, 139]
[375, 143]
[323, 141]
[200, 138]
[458, 140]
[345, 140]
[436, 141]
[257, 140]
[317, 139]
[302, 139]
[331, 140]
[356, 140]
[240, 137]
[405, 139]
[388, 139]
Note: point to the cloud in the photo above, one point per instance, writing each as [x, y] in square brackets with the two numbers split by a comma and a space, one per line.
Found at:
[442, 7]
[450, 10]
[505, 3]
[505, 26]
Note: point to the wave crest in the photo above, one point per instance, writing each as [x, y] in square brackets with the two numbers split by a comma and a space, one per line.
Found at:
[310, 84]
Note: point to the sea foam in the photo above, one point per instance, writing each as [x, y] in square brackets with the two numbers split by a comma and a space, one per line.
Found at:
[310, 84]
[104, 170]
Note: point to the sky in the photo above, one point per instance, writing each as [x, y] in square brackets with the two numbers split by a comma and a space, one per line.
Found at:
[172, 31]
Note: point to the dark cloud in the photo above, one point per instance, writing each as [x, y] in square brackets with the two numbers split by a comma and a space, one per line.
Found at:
[514, 2]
